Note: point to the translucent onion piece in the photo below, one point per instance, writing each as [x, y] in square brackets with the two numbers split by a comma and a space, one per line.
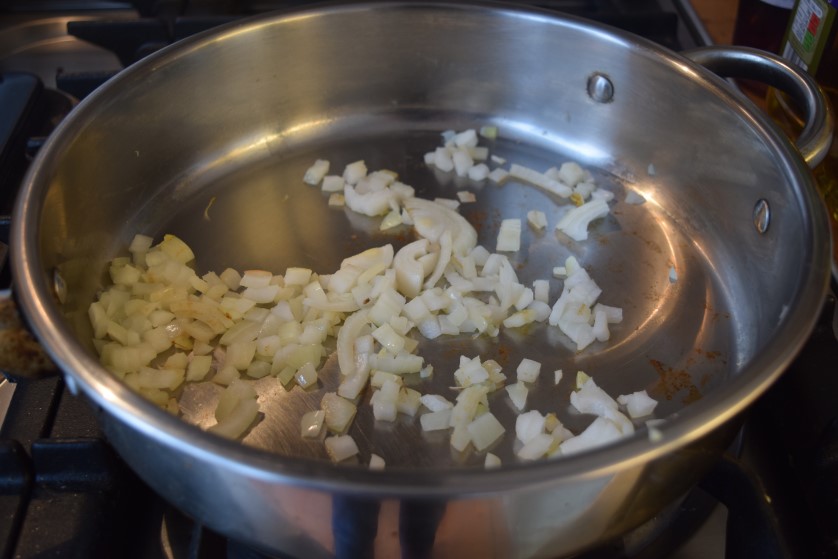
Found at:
[376, 462]
[638, 404]
[575, 222]
[339, 412]
[485, 431]
[431, 220]
[528, 370]
[540, 180]
[311, 424]
[352, 328]
[341, 447]
[316, 172]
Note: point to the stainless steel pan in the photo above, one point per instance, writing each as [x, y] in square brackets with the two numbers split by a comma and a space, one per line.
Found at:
[238, 114]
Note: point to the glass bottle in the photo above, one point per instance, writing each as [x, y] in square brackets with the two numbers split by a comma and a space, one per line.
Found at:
[811, 42]
[760, 24]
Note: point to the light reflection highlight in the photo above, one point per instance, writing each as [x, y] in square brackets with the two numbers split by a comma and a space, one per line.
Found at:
[246, 150]
[588, 152]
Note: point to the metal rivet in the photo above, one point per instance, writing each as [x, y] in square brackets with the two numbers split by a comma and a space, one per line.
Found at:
[600, 88]
[762, 216]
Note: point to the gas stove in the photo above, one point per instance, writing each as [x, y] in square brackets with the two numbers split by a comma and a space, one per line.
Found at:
[63, 490]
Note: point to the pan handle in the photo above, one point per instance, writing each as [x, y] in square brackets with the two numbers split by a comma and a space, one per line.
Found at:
[753, 64]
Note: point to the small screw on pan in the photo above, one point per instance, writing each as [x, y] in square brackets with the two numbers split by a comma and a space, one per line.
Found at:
[762, 215]
[600, 88]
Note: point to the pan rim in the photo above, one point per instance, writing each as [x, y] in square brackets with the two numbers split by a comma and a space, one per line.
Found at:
[696, 421]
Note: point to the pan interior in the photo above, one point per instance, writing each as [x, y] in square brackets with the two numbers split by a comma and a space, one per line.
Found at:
[677, 340]
[170, 148]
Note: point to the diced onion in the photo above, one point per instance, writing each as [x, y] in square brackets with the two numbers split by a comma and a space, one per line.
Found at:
[408, 402]
[339, 412]
[571, 173]
[540, 180]
[509, 236]
[435, 402]
[638, 404]
[536, 447]
[576, 221]
[485, 430]
[529, 425]
[537, 219]
[498, 175]
[316, 172]
[236, 411]
[198, 368]
[466, 196]
[306, 376]
[528, 370]
[376, 462]
[160, 324]
[478, 172]
[354, 172]
[311, 424]
[341, 447]
[436, 421]
[601, 432]
[332, 183]
[518, 395]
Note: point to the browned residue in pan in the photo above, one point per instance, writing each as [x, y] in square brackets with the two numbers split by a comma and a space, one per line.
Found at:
[673, 381]
[714, 314]
[651, 245]
[710, 355]
[477, 218]
[615, 267]
[503, 356]
[401, 236]
[700, 355]
[497, 218]
[457, 347]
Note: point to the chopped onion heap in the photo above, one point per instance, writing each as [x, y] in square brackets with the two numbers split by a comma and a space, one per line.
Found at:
[160, 324]
[576, 312]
